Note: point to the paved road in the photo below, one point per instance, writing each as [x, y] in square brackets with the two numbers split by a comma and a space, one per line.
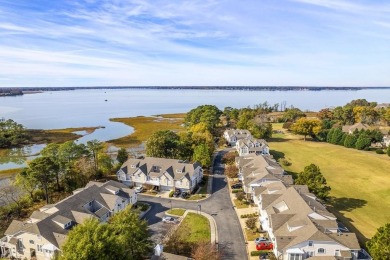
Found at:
[219, 205]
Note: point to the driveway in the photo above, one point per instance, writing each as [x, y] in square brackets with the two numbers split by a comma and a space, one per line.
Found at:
[219, 205]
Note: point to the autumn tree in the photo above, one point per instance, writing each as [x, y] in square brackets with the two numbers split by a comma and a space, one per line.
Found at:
[231, 171]
[229, 158]
[306, 126]
[251, 223]
[208, 114]
[315, 181]
[379, 244]
[202, 155]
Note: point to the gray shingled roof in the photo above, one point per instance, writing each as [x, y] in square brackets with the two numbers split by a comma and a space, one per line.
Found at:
[70, 209]
[156, 167]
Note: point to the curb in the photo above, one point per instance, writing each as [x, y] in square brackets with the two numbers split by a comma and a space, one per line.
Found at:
[213, 225]
[146, 211]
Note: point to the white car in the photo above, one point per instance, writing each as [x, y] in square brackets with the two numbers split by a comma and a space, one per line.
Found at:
[139, 189]
[169, 220]
[260, 239]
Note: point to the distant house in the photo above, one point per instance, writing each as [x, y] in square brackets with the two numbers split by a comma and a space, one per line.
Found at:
[164, 174]
[386, 140]
[252, 145]
[383, 105]
[45, 231]
[233, 135]
[351, 128]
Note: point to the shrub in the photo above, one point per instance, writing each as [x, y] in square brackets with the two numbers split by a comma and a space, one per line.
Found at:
[237, 190]
[251, 223]
[249, 215]
[171, 194]
[256, 253]
[379, 151]
[240, 195]
[285, 162]
[388, 151]
[287, 125]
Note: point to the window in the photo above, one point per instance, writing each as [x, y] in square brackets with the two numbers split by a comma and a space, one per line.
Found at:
[31, 242]
[294, 256]
[39, 248]
[321, 251]
[310, 243]
[337, 252]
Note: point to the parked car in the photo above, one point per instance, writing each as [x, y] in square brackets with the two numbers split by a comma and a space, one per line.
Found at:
[177, 193]
[260, 239]
[236, 186]
[169, 220]
[139, 189]
[185, 195]
[264, 246]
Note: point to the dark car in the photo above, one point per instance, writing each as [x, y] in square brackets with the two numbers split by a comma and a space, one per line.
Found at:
[185, 195]
[177, 193]
[236, 186]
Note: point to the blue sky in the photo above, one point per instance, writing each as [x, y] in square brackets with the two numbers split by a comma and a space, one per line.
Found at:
[194, 42]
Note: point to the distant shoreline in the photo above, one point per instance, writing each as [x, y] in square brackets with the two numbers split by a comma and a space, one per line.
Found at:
[244, 88]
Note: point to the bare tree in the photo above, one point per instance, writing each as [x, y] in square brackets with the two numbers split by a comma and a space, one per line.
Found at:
[206, 251]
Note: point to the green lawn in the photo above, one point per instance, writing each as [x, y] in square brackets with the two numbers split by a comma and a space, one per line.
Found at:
[360, 181]
[177, 212]
[199, 227]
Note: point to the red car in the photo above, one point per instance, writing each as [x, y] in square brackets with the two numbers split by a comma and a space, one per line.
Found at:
[264, 246]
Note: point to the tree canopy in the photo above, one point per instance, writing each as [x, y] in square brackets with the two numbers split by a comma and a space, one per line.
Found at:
[306, 126]
[379, 244]
[208, 114]
[124, 237]
[11, 134]
[162, 144]
[315, 181]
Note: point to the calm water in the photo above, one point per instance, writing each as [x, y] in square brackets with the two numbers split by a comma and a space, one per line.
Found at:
[79, 108]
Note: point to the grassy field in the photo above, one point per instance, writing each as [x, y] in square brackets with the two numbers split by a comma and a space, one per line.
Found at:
[8, 173]
[199, 227]
[144, 127]
[360, 181]
[57, 135]
[176, 212]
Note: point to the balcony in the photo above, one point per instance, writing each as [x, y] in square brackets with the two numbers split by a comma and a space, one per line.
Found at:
[153, 182]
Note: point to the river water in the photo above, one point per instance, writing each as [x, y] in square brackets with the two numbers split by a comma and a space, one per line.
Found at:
[94, 107]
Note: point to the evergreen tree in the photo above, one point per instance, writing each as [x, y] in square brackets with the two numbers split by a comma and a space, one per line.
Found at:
[315, 181]
[379, 244]
[122, 156]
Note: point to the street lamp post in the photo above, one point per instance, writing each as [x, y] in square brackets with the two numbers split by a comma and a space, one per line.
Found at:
[200, 209]
[171, 203]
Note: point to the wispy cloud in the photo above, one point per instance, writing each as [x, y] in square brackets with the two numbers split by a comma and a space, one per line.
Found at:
[192, 42]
